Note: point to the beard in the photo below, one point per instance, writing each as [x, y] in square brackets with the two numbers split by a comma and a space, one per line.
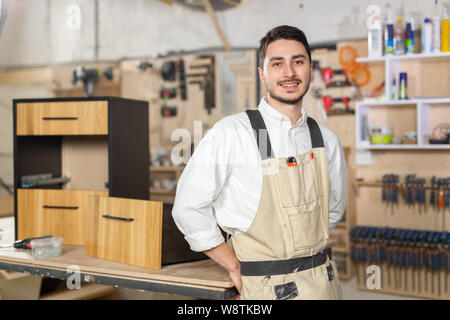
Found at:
[286, 100]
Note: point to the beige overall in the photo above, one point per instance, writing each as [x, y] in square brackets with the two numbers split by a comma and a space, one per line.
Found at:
[283, 254]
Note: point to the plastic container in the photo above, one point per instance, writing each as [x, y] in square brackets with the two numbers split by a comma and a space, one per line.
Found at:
[409, 36]
[389, 39]
[445, 32]
[427, 36]
[46, 248]
[399, 37]
[375, 39]
[436, 26]
[388, 32]
[394, 90]
[402, 92]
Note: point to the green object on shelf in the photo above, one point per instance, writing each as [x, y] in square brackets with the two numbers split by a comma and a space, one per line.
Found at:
[378, 138]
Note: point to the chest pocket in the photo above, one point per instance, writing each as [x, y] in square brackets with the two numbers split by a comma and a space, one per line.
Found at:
[298, 185]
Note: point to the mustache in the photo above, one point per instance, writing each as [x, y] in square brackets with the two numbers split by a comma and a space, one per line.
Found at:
[290, 80]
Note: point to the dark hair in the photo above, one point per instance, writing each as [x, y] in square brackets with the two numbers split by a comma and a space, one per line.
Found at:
[281, 32]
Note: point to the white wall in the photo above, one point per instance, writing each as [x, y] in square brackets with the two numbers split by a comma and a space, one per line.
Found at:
[36, 31]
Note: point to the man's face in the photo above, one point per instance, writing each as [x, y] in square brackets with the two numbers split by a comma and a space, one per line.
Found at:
[287, 71]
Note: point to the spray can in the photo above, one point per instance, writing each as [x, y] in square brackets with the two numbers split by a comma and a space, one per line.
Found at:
[409, 39]
[445, 32]
[389, 39]
[402, 94]
[427, 36]
[388, 32]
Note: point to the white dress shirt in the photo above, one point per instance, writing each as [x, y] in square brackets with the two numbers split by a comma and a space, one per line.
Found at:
[222, 182]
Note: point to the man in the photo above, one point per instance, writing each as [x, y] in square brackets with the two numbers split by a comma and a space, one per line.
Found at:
[273, 179]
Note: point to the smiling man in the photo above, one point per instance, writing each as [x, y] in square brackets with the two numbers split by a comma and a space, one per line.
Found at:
[274, 180]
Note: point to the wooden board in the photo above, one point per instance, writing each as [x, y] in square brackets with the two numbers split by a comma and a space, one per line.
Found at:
[81, 152]
[62, 118]
[34, 220]
[204, 273]
[139, 224]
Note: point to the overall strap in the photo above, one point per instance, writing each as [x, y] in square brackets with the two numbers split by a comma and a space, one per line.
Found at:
[261, 134]
[316, 135]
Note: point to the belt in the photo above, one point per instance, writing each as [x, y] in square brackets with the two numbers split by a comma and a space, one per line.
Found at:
[276, 267]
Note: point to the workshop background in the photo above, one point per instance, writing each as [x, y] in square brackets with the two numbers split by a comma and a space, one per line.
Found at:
[381, 83]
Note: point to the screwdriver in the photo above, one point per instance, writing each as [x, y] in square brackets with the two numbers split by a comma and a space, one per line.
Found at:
[23, 244]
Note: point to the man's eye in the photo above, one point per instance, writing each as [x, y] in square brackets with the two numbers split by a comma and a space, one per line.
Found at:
[299, 62]
[276, 64]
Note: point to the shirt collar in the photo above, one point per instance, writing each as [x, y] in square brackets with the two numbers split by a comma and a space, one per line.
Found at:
[276, 118]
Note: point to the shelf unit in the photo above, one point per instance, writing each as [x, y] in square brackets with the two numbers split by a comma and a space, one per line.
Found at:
[420, 109]
[392, 64]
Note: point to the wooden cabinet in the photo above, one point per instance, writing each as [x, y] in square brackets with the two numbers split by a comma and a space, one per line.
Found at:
[100, 143]
[125, 230]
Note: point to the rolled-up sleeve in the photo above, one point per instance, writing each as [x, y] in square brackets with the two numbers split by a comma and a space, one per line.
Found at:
[199, 185]
[338, 180]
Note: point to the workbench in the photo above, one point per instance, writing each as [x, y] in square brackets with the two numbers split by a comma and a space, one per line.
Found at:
[201, 279]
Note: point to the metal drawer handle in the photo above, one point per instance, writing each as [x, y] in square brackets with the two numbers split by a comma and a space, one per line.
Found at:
[117, 218]
[59, 207]
[59, 118]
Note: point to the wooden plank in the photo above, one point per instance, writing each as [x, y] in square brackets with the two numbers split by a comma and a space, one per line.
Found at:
[35, 220]
[62, 118]
[26, 76]
[139, 224]
[202, 273]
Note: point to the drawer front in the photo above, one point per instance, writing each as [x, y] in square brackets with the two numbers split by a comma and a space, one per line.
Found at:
[125, 230]
[60, 213]
[62, 118]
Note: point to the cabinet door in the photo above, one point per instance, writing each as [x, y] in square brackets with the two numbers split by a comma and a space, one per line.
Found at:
[60, 213]
[62, 118]
[125, 230]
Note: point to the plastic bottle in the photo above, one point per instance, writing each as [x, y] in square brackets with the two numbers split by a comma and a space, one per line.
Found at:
[394, 90]
[445, 32]
[436, 25]
[399, 37]
[409, 39]
[402, 92]
[375, 39]
[388, 32]
[427, 33]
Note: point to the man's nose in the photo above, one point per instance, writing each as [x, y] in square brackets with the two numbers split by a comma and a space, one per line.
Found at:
[288, 70]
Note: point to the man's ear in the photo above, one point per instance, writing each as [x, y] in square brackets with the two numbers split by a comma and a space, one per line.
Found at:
[261, 74]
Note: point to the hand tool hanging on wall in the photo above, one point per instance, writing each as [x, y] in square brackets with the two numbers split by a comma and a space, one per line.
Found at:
[182, 79]
[328, 103]
[432, 193]
[408, 252]
[209, 82]
[170, 93]
[89, 78]
[168, 71]
[227, 62]
[144, 65]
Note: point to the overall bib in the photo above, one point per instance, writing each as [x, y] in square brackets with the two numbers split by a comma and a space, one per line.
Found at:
[283, 254]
